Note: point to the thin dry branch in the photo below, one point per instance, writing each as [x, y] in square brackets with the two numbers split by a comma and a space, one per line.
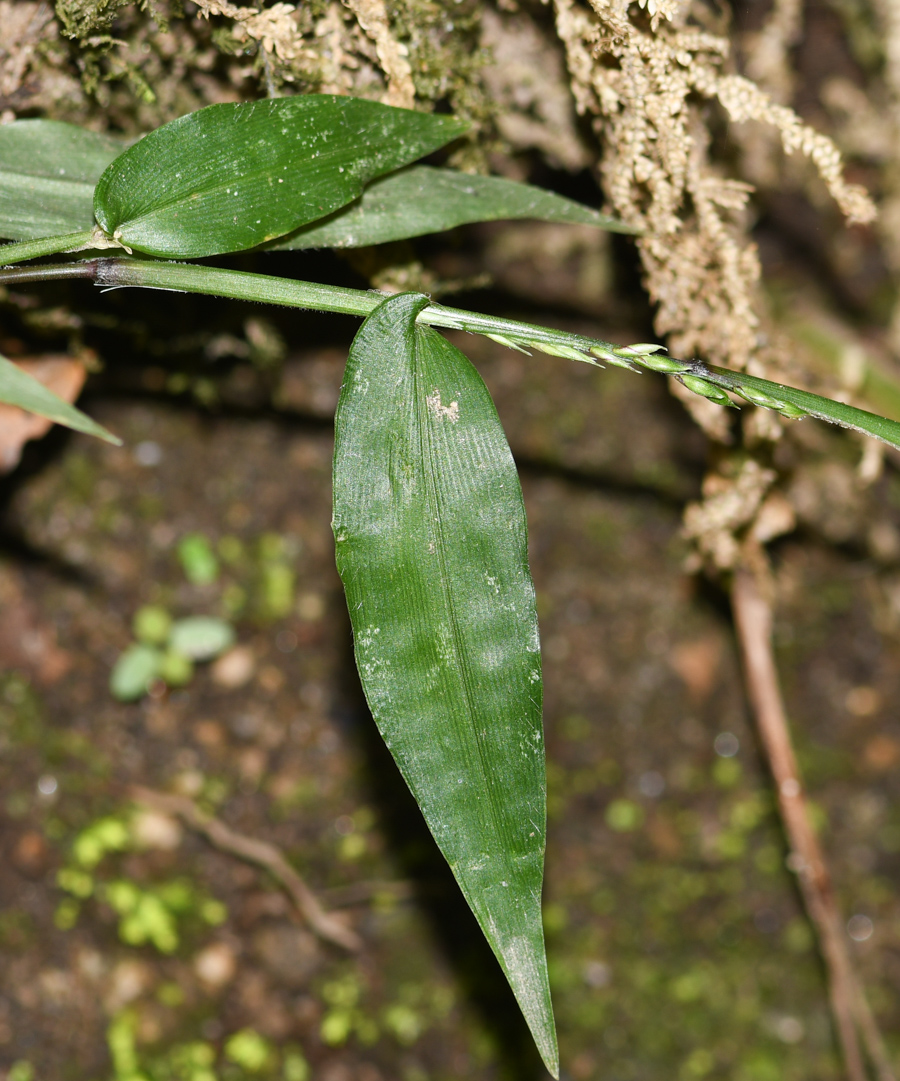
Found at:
[852, 1016]
[252, 850]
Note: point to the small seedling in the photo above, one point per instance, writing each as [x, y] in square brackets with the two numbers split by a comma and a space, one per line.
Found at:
[167, 650]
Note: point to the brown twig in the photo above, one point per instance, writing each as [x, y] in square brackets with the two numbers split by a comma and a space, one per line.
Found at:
[261, 853]
[852, 1016]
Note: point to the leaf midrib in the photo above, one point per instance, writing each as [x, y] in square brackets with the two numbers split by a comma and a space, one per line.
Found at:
[433, 504]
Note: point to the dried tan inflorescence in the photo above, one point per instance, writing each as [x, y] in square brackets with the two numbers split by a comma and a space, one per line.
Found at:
[648, 80]
[329, 44]
[737, 515]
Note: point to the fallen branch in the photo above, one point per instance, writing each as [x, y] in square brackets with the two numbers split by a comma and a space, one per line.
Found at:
[252, 850]
[852, 1016]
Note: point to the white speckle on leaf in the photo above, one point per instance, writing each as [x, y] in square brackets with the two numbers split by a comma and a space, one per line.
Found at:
[451, 411]
[368, 636]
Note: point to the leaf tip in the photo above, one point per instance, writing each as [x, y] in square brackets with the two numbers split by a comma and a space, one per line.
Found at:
[524, 961]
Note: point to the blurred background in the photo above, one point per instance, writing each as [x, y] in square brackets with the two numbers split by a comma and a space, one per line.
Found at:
[133, 947]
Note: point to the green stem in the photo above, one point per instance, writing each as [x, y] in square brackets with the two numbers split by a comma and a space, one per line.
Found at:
[240, 285]
[236, 285]
[709, 381]
[815, 405]
[46, 245]
[263, 288]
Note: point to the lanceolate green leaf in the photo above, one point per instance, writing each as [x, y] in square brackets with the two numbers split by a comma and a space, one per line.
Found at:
[431, 547]
[423, 199]
[23, 390]
[229, 177]
[48, 171]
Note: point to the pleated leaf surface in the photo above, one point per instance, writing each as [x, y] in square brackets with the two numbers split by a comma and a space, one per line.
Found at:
[229, 177]
[424, 199]
[48, 171]
[431, 546]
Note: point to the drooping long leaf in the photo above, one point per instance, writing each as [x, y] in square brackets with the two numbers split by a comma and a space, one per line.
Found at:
[229, 177]
[48, 171]
[431, 547]
[424, 199]
[23, 390]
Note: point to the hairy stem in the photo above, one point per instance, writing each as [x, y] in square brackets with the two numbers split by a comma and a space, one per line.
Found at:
[189, 278]
[852, 1017]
